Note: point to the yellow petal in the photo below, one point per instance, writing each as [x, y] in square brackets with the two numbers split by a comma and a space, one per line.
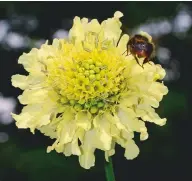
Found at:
[118, 14]
[100, 122]
[157, 90]
[87, 160]
[34, 112]
[102, 140]
[121, 141]
[110, 152]
[128, 118]
[129, 100]
[75, 148]
[131, 150]
[77, 31]
[122, 46]
[56, 43]
[103, 132]
[19, 81]
[66, 131]
[29, 61]
[111, 28]
[150, 101]
[48, 131]
[88, 142]
[93, 26]
[144, 136]
[84, 21]
[66, 126]
[59, 148]
[72, 148]
[83, 120]
[146, 35]
[152, 116]
[50, 148]
[79, 134]
[68, 115]
[67, 149]
[22, 120]
[27, 120]
[114, 119]
[105, 140]
[127, 134]
[160, 71]
[143, 131]
[33, 96]
[114, 131]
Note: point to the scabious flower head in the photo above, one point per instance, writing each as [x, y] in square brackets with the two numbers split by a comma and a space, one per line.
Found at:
[86, 94]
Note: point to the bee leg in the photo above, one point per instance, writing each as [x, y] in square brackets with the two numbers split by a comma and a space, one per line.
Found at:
[124, 52]
[146, 60]
[128, 52]
[119, 39]
[138, 62]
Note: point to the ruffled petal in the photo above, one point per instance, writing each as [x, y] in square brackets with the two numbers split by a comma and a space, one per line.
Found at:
[146, 35]
[66, 127]
[48, 131]
[33, 96]
[93, 26]
[34, 81]
[29, 61]
[83, 120]
[87, 159]
[122, 45]
[77, 32]
[111, 28]
[72, 148]
[157, 90]
[127, 117]
[151, 116]
[131, 150]
[26, 120]
[103, 132]
[110, 152]
[19, 81]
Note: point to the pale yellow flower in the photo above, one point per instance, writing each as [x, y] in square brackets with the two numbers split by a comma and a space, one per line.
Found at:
[86, 94]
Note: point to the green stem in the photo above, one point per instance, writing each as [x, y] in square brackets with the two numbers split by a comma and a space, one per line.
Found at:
[109, 170]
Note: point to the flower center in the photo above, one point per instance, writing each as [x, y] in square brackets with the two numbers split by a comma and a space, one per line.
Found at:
[90, 80]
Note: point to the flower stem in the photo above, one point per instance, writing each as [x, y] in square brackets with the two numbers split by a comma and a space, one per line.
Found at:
[109, 170]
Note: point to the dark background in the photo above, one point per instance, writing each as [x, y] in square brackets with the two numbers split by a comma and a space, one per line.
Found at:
[164, 156]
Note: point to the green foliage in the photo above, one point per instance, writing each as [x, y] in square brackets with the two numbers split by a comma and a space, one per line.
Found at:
[37, 165]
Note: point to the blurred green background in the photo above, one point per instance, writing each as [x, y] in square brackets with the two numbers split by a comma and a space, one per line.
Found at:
[165, 155]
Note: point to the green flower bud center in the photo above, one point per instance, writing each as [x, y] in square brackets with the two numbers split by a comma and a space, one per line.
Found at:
[93, 109]
[90, 81]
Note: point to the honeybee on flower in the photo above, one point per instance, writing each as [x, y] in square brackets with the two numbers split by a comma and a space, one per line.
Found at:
[85, 94]
[141, 46]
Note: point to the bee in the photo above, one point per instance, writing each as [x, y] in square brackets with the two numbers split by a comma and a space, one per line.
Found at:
[141, 46]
